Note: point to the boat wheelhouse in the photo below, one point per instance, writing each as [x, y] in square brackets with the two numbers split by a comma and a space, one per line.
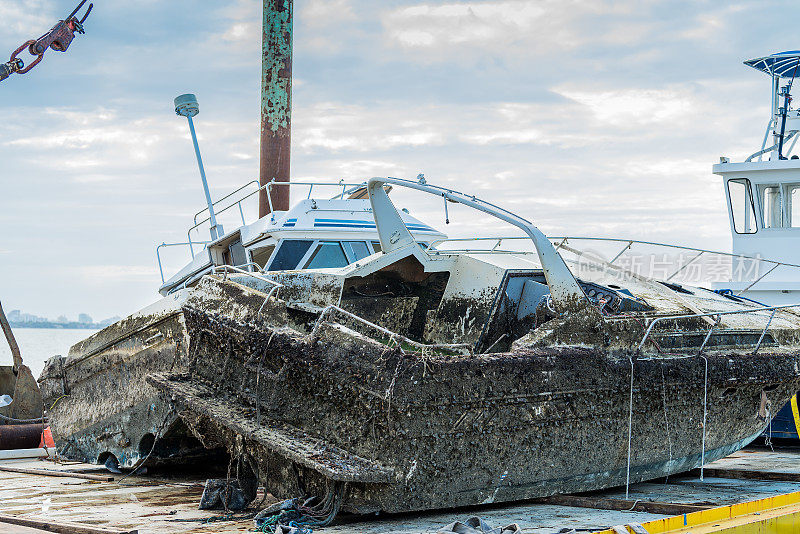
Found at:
[763, 191]
[317, 233]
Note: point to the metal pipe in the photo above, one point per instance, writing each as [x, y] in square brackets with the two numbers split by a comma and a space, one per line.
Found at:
[215, 230]
[187, 106]
[27, 436]
[276, 102]
[707, 314]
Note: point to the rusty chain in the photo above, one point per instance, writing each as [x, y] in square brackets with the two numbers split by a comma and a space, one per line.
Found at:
[58, 38]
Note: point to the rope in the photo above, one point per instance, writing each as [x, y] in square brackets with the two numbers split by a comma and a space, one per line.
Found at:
[705, 416]
[302, 516]
[666, 417]
[23, 421]
[630, 434]
[158, 436]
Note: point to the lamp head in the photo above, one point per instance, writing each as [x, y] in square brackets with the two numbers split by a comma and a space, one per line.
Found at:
[186, 105]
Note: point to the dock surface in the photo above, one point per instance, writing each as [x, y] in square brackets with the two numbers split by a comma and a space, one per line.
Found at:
[167, 504]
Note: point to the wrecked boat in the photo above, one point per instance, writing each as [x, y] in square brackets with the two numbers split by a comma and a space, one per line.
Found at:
[417, 377]
[318, 232]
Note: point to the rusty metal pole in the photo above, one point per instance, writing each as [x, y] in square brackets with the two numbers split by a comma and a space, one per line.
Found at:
[276, 103]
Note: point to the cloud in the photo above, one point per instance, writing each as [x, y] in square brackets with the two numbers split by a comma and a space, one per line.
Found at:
[636, 107]
[117, 273]
[317, 13]
[27, 19]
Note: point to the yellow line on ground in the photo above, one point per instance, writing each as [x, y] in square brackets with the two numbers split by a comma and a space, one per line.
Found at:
[778, 514]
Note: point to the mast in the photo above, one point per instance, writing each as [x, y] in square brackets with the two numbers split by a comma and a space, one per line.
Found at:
[276, 103]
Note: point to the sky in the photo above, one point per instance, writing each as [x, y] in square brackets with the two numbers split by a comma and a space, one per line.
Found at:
[587, 117]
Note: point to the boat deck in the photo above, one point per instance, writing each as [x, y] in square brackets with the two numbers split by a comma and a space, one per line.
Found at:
[167, 504]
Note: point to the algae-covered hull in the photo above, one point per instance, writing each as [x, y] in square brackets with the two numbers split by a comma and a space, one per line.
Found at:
[310, 409]
[411, 431]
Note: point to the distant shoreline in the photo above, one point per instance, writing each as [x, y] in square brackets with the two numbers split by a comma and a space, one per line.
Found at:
[62, 326]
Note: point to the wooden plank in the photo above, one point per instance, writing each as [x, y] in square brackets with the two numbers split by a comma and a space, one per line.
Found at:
[602, 503]
[16, 454]
[61, 528]
[54, 473]
[748, 474]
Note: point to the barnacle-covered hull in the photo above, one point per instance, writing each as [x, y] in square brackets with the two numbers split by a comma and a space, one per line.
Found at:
[402, 430]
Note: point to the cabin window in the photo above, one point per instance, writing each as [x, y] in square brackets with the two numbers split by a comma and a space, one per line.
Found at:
[327, 255]
[289, 254]
[235, 254]
[742, 210]
[376, 246]
[793, 209]
[260, 256]
[781, 205]
[356, 250]
[771, 201]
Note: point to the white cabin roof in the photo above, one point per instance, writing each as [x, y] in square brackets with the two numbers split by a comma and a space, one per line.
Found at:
[310, 219]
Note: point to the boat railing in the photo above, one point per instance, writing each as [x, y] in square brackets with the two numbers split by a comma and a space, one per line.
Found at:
[561, 243]
[165, 245]
[225, 203]
[393, 336]
[715, 316]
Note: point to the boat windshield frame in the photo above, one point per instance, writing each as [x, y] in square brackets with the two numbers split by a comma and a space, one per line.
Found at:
[567, 294]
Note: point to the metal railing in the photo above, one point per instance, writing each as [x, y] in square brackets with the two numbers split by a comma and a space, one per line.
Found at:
[393, 336]
[715, 316]
[560, 242]
[164, 245]
[353, 186]
[226, 197]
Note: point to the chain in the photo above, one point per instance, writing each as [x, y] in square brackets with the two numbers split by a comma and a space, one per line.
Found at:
[58, 38]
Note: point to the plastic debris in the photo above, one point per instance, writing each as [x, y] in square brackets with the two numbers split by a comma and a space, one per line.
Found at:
[224, 494]
[476, 525]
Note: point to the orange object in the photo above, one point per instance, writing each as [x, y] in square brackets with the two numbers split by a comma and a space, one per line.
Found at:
[47, 438]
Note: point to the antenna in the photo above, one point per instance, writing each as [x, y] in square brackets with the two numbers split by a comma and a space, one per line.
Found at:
[187, 106]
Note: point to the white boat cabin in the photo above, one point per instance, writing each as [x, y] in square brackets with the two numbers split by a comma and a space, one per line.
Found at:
[315, 234]
[763, 192]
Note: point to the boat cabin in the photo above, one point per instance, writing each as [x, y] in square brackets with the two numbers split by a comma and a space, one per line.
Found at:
[316, 233]
[763, 191]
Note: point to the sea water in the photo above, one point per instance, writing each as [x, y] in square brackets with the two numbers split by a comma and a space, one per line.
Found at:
[39, 344]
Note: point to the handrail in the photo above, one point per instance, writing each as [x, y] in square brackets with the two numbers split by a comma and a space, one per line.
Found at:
[628, 245]
[268, 186]
[226, 197]
[392, 335]
[611, 240]
[158, 254]
[773, 147]
[716, 315]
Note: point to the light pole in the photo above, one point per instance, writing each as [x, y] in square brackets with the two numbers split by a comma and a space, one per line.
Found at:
[187, 106]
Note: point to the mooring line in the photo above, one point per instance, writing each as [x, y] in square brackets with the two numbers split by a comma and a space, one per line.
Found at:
[705, 417]
[630, 435]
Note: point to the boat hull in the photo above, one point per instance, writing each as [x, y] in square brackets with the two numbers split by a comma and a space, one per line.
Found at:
[447, 431]
[307, 412]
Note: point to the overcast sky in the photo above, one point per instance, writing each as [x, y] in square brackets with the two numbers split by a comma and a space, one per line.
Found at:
[590, 118]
